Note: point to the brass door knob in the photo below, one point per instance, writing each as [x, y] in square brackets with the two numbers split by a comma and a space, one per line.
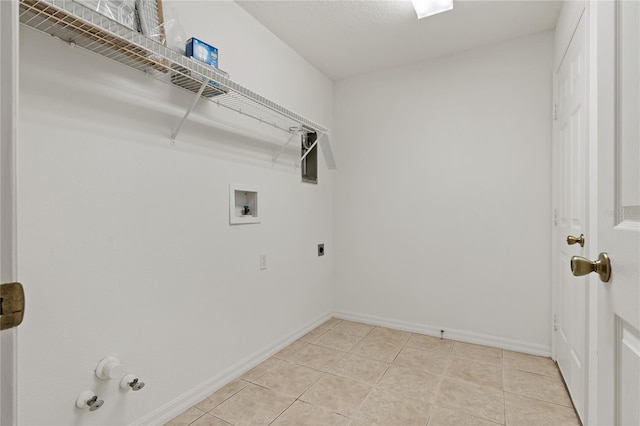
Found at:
[571, 240]
[582, 266]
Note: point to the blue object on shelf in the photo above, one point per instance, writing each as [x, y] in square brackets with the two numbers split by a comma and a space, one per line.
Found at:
[198, 49]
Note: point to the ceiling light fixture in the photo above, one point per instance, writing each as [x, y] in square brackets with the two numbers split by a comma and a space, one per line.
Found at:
[426, 8]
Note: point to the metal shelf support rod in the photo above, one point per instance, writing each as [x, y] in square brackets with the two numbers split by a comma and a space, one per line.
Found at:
[187, 113]
[311, 147]
[283, 147]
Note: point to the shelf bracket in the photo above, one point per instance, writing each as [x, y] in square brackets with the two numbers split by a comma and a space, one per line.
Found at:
[283, 147]
[322, 142]
[313, 145]
[174, 135]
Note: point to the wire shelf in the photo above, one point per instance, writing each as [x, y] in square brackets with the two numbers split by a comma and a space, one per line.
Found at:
[75, 23]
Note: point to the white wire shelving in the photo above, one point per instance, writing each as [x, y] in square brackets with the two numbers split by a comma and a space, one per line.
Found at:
[75, 23]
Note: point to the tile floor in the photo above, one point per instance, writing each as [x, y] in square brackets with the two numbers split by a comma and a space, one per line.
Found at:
[348, 373]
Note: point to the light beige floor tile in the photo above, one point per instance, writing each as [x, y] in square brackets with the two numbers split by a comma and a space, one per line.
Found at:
[289, 379]
[478, 401]
[337, 394]
[410, 383]
[372, 348]
[356, 422]
[477, 352]
[418, 358]
[339, 341]
[221, 395]
[444, 417]
[463, 379]
[209, 420]
[253, 405]
[389, 335]
[291, 350]
[355, 328]
[360, 369]
[332, 322]
[385, 408]
[317, 357]
[537, 386]
[434, 345]
[304, 414]
[476, 372]
[260, 369]
[314, 334]
[186, 418]
[523, 411]
[530, 363]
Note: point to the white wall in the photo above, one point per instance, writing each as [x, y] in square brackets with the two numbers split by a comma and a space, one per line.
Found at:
[442, 200]
[124, 243]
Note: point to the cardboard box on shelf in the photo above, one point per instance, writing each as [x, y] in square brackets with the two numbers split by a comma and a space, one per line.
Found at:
[198, 49]
[202, 51]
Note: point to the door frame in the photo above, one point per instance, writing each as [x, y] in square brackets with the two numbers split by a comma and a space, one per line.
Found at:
[568, 21]
[593, 280]
[567, 24]
[9, 90]
[608, 91]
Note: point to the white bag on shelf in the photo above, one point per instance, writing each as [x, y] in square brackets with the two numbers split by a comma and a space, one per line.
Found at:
[122, 11]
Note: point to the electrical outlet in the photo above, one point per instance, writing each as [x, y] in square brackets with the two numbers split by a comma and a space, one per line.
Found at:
[263, 261]
[320, 249]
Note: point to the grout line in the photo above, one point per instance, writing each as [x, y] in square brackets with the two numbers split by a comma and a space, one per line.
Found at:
[266, 388]
[566, 389]
[504, 392]
[222, 420]
[541, 400]
[472, 384]
[537, 374]
[504, 398]
[281, 413]
[230, 396]
[194, 420]
[442, 375]
[309, 387]
[447, 357]
[383, 374]
[504, 405]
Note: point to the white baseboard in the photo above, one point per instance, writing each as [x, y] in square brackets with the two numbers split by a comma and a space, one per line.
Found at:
[188, 399]
[460, 335]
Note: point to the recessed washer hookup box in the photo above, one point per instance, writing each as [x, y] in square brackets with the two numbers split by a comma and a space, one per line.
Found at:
[201, 51]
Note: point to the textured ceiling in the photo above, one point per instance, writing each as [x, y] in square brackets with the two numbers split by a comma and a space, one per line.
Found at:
[348, 38]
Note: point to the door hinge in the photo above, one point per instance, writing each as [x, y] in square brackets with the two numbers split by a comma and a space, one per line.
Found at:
[11, 305]
[555, 322]
[555, 112]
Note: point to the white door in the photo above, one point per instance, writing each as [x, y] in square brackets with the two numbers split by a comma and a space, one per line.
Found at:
[8, 125]
[618, 170]
[570, 153]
